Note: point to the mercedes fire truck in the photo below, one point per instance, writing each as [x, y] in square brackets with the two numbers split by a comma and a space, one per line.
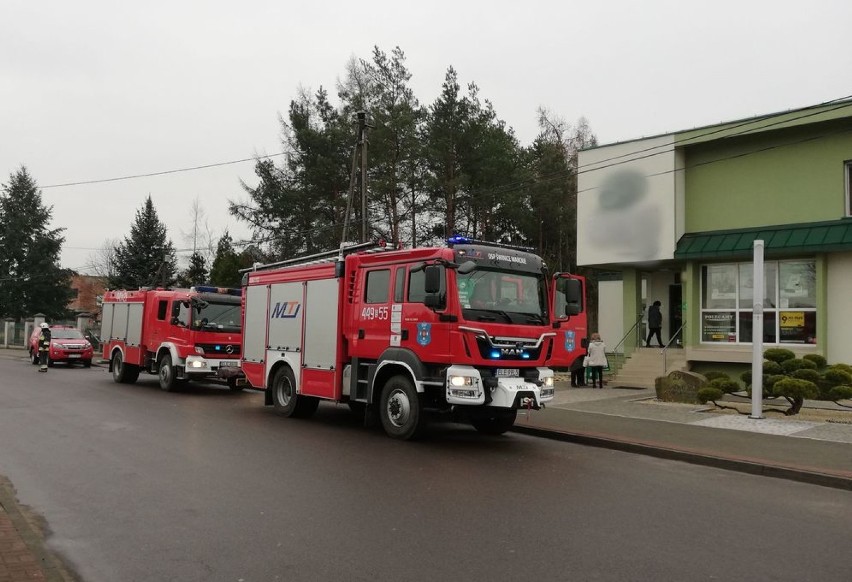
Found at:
[177, 334]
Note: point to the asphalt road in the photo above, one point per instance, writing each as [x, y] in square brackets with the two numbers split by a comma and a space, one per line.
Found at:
[137, 484]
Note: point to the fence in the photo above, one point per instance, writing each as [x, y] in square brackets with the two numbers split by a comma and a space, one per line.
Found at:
[17, 334]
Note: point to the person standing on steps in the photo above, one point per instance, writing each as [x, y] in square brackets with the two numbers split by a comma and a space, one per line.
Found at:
[655, 324]
[597, 359]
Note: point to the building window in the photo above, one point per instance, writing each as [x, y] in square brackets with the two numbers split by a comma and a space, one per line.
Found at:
[789, 303]
[847, 179]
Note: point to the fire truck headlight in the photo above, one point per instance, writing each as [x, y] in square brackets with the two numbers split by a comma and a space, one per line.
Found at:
[199, 350]
[548, 382]
[461, 381]
[463, 387]
[195, 362]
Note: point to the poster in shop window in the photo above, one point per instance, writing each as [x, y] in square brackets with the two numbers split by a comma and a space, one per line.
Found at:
[719, 327]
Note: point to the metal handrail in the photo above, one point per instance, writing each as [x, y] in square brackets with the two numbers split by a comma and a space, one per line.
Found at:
[627, 335]
[616, 360]
[665, 349]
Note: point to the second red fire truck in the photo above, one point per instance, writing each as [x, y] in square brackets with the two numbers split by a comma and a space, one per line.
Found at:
[469, 328]
[178, 334]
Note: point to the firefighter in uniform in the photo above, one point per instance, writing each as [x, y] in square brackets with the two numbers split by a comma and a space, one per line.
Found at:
[43, 347]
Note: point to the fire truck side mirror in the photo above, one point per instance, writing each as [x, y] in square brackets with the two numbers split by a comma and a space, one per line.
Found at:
[569, 297]
[433, 279]
[432, 284]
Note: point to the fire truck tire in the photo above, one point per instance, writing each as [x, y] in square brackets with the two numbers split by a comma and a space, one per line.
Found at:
[121, 372]
[87, 363]
[167, 374]
[285, 399]
[400, 409]
[493, 422]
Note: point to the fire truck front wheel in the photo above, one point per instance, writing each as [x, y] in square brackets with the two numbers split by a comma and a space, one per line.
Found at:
[285, 399]
[400, 409]
[167, 373]
[121, 372]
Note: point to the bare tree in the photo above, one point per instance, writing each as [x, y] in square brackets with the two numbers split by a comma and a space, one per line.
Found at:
[201, 238]
[101, 263]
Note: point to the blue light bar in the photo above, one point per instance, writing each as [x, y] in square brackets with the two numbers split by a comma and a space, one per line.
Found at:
[458, 240]
[220, 290]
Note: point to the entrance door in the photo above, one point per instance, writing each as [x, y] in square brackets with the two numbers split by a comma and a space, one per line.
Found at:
[675, 314]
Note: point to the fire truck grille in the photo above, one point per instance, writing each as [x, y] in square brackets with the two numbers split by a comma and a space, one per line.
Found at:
[506, 349]
[220, 350]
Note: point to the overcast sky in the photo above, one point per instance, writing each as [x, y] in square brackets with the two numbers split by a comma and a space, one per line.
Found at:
[96, 89]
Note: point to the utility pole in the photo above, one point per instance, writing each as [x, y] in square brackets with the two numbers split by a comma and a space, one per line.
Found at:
[362, 142]
[359, 154]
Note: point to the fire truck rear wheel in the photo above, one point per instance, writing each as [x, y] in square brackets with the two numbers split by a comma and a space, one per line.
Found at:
[493, 422]
[400, 409]
[285, 399]
[121, 372]
[167, 373]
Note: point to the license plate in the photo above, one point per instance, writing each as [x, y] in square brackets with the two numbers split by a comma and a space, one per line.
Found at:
[507, 372]
[74, 355]
[228, 364]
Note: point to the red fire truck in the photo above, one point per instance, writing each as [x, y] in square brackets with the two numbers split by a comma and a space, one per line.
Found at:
[465, 328]
[178, 334]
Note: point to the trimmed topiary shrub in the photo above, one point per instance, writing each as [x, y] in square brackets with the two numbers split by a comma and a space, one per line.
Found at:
[790, 366]
[746, 377]
[709, 394]
[771, 368]
[713, 374]
[817, 359]
[837, 393]
[795, 391]
[725, 384]
[844, 367]
[836, 376]
[807, 374]
[778, 355]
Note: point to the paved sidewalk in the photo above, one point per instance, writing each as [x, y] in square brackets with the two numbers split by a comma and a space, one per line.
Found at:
[23, 554]
[632, 420]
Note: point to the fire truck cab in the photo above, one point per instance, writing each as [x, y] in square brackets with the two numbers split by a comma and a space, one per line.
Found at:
[178, 334]
[466, 328]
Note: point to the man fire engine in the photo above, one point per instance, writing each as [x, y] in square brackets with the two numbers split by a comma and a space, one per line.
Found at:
[178, 334]
[465, 328]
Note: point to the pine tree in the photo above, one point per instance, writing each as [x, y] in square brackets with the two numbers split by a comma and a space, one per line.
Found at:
[147, 257]
[31, 279]
[225, 271]
[195, 273]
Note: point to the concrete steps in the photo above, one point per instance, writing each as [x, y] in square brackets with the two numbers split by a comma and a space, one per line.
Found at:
[644, 365]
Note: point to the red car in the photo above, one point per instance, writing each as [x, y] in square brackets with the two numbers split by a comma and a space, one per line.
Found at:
[67, 344]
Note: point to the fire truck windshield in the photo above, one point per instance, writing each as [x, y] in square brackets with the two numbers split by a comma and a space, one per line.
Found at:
[502, 295]
[211, 316]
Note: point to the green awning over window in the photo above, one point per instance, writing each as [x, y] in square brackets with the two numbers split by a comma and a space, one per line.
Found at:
[789, 239]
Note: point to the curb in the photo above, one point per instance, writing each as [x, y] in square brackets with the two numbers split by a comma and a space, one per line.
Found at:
[743, 465]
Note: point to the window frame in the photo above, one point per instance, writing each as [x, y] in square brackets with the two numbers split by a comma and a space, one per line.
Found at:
[847, 185]
[739, 308]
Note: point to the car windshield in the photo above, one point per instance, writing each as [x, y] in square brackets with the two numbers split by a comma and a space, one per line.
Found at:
[507, 296]
[66, 333]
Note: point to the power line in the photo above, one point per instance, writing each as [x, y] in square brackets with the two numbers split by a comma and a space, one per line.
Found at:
[163, 173]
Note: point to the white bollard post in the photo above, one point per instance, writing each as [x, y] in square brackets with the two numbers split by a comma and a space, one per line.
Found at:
[757, 335]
